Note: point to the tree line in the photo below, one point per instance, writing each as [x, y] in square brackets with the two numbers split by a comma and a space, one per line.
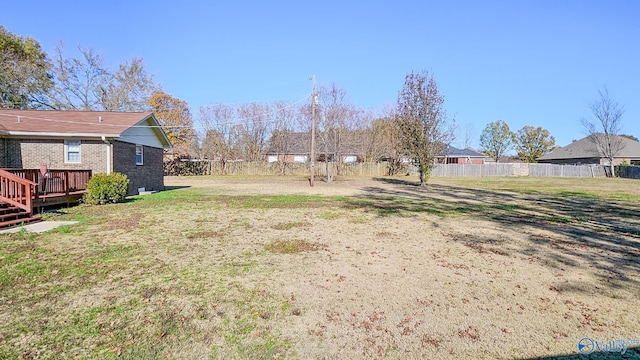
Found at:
[416, 128]
[33, 79]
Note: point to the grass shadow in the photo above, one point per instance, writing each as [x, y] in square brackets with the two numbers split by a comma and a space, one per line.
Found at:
[604, 233]
[397, 181]
[176, 187]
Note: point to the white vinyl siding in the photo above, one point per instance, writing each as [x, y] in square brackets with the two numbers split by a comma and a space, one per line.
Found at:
[141, 135]
[139, 155]
[72, 151]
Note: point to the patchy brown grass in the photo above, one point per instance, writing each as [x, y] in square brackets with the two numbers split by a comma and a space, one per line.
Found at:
[361, 268]
[289, 225]
[292, 246]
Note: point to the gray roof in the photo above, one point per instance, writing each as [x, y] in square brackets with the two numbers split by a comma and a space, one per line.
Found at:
[455, 152]
[586, 148]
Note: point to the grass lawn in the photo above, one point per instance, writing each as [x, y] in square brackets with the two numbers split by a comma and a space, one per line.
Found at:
[268, 268]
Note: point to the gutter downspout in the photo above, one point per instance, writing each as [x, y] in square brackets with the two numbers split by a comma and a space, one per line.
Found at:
[108, 147]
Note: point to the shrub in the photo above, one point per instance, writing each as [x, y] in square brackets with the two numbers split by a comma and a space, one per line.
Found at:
[103, 188]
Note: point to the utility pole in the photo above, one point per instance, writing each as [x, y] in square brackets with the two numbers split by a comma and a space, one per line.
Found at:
[314, 100]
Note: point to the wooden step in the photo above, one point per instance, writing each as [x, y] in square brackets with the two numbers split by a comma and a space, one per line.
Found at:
[20, 221]
[9, 213]
[11, 216]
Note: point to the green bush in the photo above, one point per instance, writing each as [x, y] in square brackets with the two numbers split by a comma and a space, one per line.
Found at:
[103, 188]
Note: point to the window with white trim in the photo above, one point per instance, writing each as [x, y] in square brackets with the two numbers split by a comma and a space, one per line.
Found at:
[72, 151]
[139, 155]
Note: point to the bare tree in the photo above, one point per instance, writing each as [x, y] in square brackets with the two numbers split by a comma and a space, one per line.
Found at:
[466, 135]
[221, 135]
[282, 134]
[79, 82]
[381, 138]
[129, 88]
[425, 131]
[370, 137]
[85, 83]
[604, 126]
[253, 126]
[336, 122]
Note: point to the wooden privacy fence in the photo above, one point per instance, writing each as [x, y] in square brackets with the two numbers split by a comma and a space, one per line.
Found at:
[259, 168]
[629, 172]
[519, 169]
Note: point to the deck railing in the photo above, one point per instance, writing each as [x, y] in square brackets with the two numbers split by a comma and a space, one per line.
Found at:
[55, 181]
[17, 191]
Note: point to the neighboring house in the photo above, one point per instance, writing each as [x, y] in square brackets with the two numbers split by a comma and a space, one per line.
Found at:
[585, 151]
[297, 151]
[103, 142]
[461, 156]
[294, 148]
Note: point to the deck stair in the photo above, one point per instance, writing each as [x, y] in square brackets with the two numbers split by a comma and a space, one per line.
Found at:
[16, 200]
[24, 190]
[14, 216]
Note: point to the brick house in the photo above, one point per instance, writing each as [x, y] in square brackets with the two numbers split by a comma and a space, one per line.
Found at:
[585, 151]
[296, 149]
[103, 142]
[461, 156]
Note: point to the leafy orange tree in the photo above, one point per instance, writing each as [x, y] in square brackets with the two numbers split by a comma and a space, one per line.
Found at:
[174, 116]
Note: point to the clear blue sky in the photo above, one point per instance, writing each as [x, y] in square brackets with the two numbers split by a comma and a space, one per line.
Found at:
[526, 62]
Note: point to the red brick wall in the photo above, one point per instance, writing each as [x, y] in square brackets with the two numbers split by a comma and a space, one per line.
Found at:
[150, 175]
[31, 153]
[463, 160]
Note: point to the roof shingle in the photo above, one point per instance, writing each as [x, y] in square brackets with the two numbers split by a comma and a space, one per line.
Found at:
[49, 122]
[586, 148]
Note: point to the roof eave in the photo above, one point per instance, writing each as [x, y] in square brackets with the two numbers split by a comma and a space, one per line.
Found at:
[155, 126]
[57, 135]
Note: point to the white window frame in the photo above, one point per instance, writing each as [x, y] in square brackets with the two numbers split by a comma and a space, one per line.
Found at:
[141, 153]
[70, 147]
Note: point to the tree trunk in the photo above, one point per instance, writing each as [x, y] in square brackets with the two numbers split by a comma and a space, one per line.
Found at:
[423, 180]
[613, 169]
[224, 166]
[340, 165]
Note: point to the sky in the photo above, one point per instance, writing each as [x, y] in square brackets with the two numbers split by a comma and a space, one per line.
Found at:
[536, 63]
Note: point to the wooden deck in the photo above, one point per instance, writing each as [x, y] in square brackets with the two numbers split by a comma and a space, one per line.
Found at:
[57, 199]
[54, 188]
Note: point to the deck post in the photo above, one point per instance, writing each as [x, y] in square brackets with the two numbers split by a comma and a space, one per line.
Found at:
[66, 183]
